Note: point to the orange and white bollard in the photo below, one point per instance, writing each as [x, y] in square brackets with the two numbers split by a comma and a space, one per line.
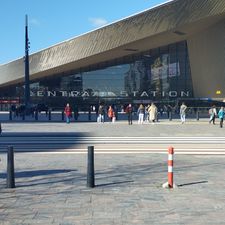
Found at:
[170, 183]
[170, 167]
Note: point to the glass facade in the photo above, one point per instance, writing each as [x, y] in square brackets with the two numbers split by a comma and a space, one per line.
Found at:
[161, 74]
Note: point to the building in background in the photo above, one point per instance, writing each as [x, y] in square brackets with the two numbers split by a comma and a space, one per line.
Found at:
[169, 53]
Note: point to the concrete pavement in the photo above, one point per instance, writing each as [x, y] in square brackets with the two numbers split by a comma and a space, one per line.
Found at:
[51, 189]
[51, 186]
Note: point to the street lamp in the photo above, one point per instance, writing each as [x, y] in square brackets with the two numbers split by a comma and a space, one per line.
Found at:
[26, 61]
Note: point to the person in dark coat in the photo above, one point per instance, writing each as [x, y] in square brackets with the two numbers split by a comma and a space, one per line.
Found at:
[129, 112]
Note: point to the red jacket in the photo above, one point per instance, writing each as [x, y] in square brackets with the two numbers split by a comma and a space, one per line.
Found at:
[110, 112]
[68, 111]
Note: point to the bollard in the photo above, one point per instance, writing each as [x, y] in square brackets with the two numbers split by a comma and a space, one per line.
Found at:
[89, 115]
[36, 115]
[197, 115]
[10, 115]
[170, 116]
[170, 167]
[10, 168]
[0, 128]
[90, 168]
[49, 115]
[62, 115]
[23, 116]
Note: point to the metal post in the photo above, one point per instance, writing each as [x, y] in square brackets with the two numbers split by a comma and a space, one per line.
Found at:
[62, 115]
[10, 115]
[197, 114]
[170, 115]
[89, 114]
[23, 115]
[27, 72]
[170, 167]
[10, 168]
[90, 168]
[49, 114]
[36, 114]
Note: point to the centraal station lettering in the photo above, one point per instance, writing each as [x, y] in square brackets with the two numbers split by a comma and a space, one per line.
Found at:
[85, 94]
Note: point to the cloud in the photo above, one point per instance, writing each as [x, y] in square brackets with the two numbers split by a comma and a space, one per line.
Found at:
[34, 22]
[98, 22]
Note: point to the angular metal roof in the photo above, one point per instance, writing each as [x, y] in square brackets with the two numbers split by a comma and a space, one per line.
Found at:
[167, 23]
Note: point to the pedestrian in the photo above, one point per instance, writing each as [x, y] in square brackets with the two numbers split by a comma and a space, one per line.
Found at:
[101, 113]
[146, 113]
[152, 110]
[168, 110]
[212, 114]
[110, 113]
[221, 114]
[129, 112]
[68, 112]
[183, 109]
[141, 112]
[114, 117]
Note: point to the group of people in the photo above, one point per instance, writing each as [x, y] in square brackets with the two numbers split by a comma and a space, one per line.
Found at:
[147, 113]
[150, 113]
[213, 114]
[110, 113]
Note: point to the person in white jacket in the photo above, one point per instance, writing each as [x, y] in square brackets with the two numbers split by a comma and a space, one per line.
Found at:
[212, 114]
[183, 109]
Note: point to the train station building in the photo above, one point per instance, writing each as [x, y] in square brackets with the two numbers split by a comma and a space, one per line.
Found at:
[172, 52]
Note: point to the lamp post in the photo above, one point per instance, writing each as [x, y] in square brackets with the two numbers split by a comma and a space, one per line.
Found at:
[26, 61]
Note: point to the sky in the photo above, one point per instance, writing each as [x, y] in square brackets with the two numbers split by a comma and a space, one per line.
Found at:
[54, 21]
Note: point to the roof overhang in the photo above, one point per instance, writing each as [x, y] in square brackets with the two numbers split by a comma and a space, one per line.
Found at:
[168, 23]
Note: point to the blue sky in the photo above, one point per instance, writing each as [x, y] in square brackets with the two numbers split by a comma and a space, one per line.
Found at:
[54, 21]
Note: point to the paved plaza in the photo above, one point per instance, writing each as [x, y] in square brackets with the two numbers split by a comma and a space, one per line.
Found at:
[51, 185]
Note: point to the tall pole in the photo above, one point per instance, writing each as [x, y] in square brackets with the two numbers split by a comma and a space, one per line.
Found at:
[27, 80]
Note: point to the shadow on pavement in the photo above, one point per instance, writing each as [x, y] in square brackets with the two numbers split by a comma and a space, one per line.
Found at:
[33, 173]
[114, 183]
[40, 141]
[192, 183]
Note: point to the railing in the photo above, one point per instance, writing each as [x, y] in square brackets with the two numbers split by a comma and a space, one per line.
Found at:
[192, 113]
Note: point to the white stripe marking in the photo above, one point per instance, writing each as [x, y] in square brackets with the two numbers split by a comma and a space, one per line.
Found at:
[122, 152]
[170, 169]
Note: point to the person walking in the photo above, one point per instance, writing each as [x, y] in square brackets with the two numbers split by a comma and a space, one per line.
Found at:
[101, 113]
[183, 109]
[141, 112]
[110, 113]
[221, 114]
[146, 113]
[212, 114]
[68, 112]
[152, 110]
[129, 112]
